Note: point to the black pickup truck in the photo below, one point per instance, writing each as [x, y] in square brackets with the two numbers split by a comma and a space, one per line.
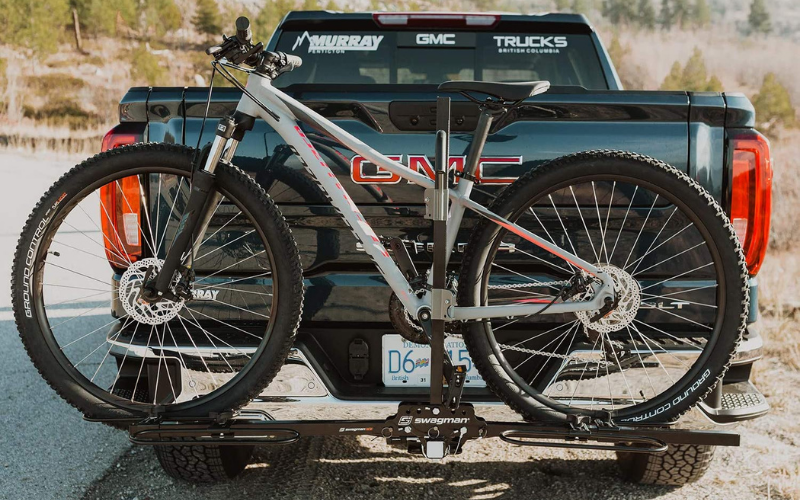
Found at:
[375, 75]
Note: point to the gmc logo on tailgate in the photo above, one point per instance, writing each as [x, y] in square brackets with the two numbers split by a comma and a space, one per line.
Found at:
[363, 171]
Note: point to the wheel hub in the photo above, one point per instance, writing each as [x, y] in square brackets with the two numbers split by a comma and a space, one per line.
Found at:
[130, 294]
[628, 292]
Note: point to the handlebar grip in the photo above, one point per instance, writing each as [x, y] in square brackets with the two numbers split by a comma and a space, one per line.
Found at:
[243, 32]
[292, 62]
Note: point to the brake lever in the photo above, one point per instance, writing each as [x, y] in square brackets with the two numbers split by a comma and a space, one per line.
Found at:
[249, 57]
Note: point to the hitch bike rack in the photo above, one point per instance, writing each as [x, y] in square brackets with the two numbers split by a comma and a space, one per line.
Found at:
[442, 425]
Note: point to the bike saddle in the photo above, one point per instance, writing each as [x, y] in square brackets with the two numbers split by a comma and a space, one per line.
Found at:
[505, 91]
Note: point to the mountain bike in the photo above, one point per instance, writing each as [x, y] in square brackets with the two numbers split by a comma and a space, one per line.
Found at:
[206, 287]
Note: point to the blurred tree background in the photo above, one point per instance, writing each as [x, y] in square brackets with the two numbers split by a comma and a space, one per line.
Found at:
[160, 42]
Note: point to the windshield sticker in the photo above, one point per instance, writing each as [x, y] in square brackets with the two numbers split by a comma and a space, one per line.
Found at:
[338, 44]
[408, 39]
[533, 44]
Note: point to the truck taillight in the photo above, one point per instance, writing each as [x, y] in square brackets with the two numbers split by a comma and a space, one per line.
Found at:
[436, 19]
[121, 210]
[751, 195]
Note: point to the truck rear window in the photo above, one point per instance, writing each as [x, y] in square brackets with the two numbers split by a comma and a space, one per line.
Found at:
[405, 57]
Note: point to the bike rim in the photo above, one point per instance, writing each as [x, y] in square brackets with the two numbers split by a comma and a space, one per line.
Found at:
[199, 363]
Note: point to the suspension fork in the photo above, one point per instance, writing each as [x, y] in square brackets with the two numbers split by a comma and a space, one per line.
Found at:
[201, 205]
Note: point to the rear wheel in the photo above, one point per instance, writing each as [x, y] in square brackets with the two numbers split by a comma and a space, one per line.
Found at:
[80, 264]
[679, 274]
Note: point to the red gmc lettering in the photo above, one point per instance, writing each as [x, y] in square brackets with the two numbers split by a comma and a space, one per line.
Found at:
[360, 174]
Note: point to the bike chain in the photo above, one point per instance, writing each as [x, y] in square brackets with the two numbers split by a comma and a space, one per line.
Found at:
[554, 355]
[529, 285]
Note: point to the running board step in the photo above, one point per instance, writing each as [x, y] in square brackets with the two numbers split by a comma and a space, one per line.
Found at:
[735, 402]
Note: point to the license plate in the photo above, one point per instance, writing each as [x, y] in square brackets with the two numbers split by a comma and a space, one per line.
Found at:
[406, 364]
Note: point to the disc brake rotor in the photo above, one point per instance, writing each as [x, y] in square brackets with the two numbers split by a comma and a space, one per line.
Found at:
[628, 292]
[130, 287]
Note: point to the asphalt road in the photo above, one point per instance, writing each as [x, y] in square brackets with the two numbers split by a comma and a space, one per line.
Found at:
[46, 449]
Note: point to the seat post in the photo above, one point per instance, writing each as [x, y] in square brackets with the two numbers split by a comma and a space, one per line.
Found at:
[478, 141]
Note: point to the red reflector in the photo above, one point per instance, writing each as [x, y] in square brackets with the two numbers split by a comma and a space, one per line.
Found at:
[751, 196]
[121, 210]
[436, 19]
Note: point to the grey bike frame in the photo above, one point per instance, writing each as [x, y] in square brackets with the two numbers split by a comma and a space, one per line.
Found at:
[284, 115]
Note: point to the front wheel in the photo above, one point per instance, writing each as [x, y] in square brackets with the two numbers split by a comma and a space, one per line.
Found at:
[90, 244]
[678, 271]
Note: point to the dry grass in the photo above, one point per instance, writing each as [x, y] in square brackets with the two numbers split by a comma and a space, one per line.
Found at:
[785, 482]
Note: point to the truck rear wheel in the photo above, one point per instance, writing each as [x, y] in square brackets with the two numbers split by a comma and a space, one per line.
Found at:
[680, 464]
[204, 463]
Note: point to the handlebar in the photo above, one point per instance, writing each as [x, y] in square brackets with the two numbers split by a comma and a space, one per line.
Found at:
[239, 49]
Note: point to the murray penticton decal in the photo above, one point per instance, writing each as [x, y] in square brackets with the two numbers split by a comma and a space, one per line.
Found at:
[338, 43]
[530, 44]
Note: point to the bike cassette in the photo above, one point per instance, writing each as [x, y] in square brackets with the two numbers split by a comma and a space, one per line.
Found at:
[440, 430]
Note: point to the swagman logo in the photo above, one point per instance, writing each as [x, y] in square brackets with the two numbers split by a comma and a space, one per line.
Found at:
[339, 43]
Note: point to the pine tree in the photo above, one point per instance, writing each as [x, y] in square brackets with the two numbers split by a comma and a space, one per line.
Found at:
[702, 14]
[674, 78]
[682, 13]
[694, 73]
[207, 19]
[759, 17]
[35, 24]
[646, 14]
[773, 104]
[619, 11]
[100, 18]
[331, 5]
[160, 16]
[666, 19]
[692, 77]
[268, 18]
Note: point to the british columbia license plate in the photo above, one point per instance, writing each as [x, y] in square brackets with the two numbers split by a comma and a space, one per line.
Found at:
[406, 364]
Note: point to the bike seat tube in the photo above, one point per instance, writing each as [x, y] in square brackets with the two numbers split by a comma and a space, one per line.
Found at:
[478, 142]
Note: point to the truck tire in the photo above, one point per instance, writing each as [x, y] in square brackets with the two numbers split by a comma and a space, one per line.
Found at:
[680, 464]
[204, 463]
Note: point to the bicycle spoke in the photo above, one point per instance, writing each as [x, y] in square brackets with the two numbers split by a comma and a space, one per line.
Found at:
[585, 227]
[639, 235]
[622, 226]
[646, 252]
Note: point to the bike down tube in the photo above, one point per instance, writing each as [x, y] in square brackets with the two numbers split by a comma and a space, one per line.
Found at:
[287, 127]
